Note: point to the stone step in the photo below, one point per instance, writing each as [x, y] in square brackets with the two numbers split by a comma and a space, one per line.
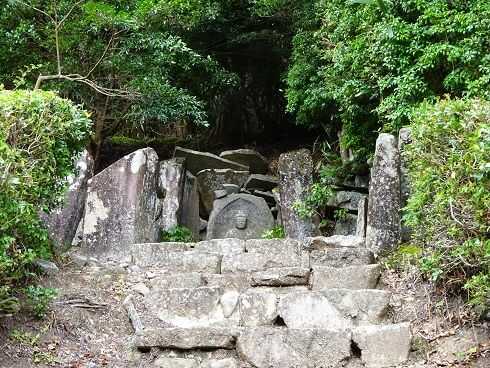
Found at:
[295, 307]
[350, 277]
[341, 257]
[266, 347]
[175, 258]
[277, 347]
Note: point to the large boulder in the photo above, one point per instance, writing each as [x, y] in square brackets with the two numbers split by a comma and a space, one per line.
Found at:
[295, 179]
[211, 180]
[240, 216]
[247, 157]
[383, 219]
[122, 205]
[62, 223]
[197, 161]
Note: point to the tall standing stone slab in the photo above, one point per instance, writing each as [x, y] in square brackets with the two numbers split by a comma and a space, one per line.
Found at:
[210, 180]
[362, 208]
[404, 138]
[241, 216]
[295, 179]
[254, 160]
[171, 186]
[383, 219]
[62, 223]
[122, 205]
[190, 206]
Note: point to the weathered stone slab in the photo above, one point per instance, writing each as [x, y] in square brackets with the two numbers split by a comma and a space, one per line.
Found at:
[268, 196]
[189, 216]
[186, 338]
[196, 161]
[335, 241]
[362, 208]
[350, 277]
[171, 260]
[258, 308]
[222, 246]
[295, 179]
[62, 223]
[345, 199]
[194, 307]
[171, 186]
[347, 225]
[276, 246]
[264, 183]
[165, 362]
[241, 216]
[404, 138]
[255, 161]
[335, 308]
[210, 180]
[341, 257]
[264, 347]
[229, 281]
[221, 363]
[278, 277]
[383, 219]
[383, 346]
[122, 204]
[180, 280]
[254, 261]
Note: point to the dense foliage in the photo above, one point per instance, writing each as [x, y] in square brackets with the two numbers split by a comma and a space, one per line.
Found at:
[448, 209]
[40, 135]
[362, 65]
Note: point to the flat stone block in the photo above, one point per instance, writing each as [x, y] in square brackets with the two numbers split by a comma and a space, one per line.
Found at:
[156, 255]
[350, 277]
[286, 276]
[222, 246]
[258, 308]
[290, 348]
[252, 262]
[383, 346]
[333, 309]
[186, 338]
[165, 362]
[341, 257]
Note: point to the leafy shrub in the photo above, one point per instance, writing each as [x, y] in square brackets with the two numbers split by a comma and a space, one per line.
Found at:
[448, 210]
[38, 299]
[177, 234]
[277, 232]
[40, 136]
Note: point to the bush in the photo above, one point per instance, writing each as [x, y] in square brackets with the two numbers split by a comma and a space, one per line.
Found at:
[277, 232]
[40, 136]
[177, 234]
[448, 210]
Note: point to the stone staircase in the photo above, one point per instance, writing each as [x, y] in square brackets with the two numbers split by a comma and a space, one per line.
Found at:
[285, 303]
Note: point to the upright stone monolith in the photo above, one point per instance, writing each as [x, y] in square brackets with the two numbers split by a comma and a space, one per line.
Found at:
[122, 206]
[62, 223]
[189, 216]
[171, 186]
[295, 179]
[383, 219]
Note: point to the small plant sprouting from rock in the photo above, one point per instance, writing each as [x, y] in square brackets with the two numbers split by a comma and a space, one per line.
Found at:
[277, 232]
[341, 214]
[38, 299]
[177, 234]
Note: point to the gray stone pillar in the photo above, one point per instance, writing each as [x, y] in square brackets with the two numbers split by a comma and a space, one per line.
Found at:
[383, 219]
[295, 179]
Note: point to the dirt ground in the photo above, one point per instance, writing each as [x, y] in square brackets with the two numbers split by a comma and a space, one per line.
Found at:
[87, 326]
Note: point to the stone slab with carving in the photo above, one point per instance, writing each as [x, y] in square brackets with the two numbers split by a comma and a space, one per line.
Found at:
[171, 184]
[121, 206]
[254, 160]
[240, 216]
[210, 180]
